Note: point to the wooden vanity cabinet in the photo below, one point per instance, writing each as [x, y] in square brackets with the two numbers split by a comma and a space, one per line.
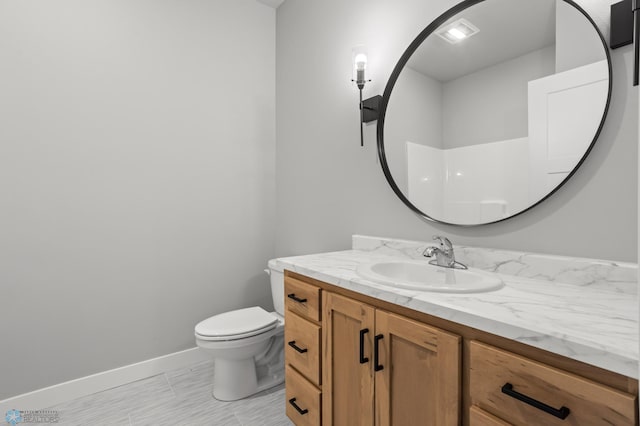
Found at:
[302, 354]
[479, 417]
[521, 391]
[347, 377]
[384, 368]
[370, 362]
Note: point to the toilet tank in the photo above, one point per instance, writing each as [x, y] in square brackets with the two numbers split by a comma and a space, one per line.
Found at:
[277, 287]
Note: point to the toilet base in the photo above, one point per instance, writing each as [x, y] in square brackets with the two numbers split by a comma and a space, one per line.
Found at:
[235, 379]
[231, 387]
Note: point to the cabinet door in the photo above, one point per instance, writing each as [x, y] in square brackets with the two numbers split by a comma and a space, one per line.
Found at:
[419, 383]
[347, 379]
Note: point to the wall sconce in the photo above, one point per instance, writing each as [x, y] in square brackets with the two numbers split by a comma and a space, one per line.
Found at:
[369, 107]
[625, 29]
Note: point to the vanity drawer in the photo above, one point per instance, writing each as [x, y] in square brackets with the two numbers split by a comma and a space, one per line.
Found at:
[302, 346]
[302, 298]
[501, 382]
[303, 399]
[479, 417]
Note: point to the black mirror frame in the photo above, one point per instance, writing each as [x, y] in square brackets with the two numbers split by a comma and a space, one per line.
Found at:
[396, 74]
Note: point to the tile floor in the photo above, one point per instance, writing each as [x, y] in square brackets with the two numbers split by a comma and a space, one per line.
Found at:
[180, 397]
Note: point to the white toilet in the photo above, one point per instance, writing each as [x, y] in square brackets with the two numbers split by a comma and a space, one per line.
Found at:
[247, 346]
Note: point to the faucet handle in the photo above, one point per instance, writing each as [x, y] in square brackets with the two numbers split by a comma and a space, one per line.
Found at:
[444, 242]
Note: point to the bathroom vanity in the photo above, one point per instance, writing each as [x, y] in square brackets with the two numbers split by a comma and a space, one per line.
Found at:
[485, 116]
[560, 349]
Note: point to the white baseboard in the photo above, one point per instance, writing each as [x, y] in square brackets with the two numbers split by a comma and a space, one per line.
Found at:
[67, 391]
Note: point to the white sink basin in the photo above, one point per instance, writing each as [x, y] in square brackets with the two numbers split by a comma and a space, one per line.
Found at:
[420, 275]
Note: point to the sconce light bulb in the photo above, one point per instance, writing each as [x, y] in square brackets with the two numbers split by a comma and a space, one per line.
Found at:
[360, 64]
[361, 61]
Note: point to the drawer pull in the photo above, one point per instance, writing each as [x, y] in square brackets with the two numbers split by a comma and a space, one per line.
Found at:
[376, 349]
[297, 299]
[292, 401]
[561, 413]
[363, 359]
[297, 348]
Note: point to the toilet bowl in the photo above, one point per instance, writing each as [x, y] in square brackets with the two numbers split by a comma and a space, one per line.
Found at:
[247, 346]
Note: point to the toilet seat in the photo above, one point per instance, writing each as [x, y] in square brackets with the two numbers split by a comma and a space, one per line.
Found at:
[238, 324]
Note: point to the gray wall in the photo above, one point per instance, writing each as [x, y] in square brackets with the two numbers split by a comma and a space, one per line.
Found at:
[137, 155]
[329, 188]
[414, 115]
[491, 105]
[576, 45]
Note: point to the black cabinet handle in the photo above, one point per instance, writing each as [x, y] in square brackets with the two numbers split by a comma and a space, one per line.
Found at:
[297, 348]
[297, 299]
[363, 359]
[292, 401]
[376, 349]
[560, 413]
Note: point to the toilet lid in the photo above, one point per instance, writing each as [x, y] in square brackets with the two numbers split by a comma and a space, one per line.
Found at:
[239, 323]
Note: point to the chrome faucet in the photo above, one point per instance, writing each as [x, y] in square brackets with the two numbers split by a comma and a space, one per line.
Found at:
[444, 254]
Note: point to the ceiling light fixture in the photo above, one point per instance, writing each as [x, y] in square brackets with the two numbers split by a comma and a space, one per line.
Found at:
[457, 31]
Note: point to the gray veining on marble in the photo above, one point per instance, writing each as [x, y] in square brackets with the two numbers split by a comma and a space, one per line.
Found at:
[614, 276]
[179, 397]
[593, 323]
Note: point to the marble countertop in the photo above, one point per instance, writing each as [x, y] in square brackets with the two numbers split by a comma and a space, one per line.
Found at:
[595, 325]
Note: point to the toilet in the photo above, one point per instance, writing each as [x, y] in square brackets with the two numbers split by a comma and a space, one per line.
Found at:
[247, 345]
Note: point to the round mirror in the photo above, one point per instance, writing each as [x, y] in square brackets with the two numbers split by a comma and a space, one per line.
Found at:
[492, 108]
